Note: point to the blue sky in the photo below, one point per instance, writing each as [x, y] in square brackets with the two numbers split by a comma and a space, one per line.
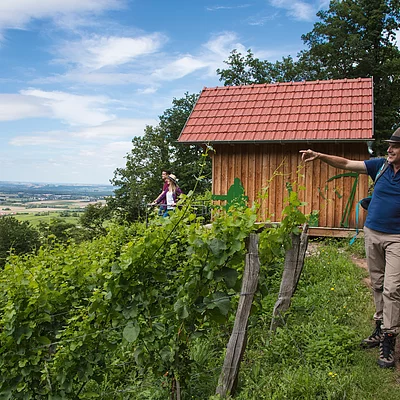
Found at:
[80, 78]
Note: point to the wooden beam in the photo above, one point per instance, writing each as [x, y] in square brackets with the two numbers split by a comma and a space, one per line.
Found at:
[334, 232]
[237, 342]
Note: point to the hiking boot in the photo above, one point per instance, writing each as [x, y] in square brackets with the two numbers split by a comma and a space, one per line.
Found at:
[375, 338]
[386, 351]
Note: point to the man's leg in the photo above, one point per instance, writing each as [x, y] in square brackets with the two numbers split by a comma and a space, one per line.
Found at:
[391, 287]
[376, 266]
[387, 301]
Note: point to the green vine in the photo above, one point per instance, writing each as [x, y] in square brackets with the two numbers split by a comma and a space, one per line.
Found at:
[139, 296]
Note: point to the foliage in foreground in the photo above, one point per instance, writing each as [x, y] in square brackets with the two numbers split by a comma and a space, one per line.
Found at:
[145, 310]
[140, 297]
[139, 294]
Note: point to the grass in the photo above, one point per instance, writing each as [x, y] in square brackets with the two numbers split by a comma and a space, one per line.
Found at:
[316, 352]
[47, 216]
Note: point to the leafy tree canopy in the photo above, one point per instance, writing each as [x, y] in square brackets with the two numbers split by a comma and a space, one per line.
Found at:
[157, 150]
[58, 230]
[354, 38]
[247, 70]
[93, 219]
[16, 237]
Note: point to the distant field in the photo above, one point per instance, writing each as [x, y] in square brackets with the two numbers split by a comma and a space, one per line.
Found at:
[36, 219]
[45, 210]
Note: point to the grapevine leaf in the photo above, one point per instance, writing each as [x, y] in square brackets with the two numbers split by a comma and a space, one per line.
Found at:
[236, 245]
[131, 332]
[138, 355]
[229, 275]
[167, 354]
[130, 312]
[44, 340]
[217, 245]
[181, 309]
[220, 301]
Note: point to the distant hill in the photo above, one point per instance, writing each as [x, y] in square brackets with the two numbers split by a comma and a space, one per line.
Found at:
[56, 189]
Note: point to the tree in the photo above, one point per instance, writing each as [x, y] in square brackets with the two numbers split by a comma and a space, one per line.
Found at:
[140, 181]
[247, 70]
[58, 230]
[354, 38]
[16, 237]
[93, 219]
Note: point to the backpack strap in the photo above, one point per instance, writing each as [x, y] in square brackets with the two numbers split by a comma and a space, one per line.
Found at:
[381, 171]
[353, 239]
[378, 175]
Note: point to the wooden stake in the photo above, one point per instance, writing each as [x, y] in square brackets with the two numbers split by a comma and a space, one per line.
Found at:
[294, 262]
[237, 342]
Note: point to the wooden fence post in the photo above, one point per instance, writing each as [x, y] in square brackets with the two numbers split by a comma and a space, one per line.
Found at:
[237, 342]
[294, 261]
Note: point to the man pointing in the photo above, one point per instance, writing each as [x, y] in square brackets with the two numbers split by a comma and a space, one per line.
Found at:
[382, 242]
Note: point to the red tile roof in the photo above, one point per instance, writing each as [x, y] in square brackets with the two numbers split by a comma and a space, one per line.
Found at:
[294, 111]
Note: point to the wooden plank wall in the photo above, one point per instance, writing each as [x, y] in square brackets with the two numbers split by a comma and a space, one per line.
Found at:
[271, 165]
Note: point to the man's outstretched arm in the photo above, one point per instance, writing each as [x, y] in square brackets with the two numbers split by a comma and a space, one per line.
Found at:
[334, 161]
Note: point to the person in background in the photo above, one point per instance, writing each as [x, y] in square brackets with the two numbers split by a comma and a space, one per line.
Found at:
[382, 242]
[163, 206]
[170, 195]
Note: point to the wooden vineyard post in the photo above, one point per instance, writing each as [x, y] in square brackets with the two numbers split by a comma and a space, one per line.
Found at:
[294, 261]
[237, 341]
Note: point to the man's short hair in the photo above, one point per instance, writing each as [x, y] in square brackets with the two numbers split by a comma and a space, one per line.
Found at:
[167, 171]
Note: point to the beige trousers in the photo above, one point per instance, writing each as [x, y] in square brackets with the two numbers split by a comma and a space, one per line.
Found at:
[383, 259]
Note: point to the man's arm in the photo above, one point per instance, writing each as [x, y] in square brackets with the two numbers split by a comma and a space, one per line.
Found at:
[334, 161]
[158, 198]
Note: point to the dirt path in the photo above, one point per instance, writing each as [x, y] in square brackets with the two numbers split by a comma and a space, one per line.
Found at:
[362, 263]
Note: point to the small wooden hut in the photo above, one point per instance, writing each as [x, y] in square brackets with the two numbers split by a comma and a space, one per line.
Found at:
[258, 130]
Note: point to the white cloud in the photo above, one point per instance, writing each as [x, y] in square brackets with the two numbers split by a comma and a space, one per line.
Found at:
[65, 158]
[118, 128]
[297, 9]
[16, 106]
[148, 69]
[99, 51]
[210, 57]
[93, 78]
[179, 68]
[216, 8]
[90, 160]
[110, 154]
[36, 140]
[123, 128]
[221, 45]
[69, 108]
[261, 19]
[148, 90]
[17, 14]
[73, 109]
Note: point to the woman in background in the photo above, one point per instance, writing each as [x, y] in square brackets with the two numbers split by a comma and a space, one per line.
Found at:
[170, 195]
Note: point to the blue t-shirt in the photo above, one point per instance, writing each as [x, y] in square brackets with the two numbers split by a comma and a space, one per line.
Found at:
[384, 209]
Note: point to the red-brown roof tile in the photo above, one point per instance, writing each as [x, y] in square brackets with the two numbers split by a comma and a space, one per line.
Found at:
[294, 111]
